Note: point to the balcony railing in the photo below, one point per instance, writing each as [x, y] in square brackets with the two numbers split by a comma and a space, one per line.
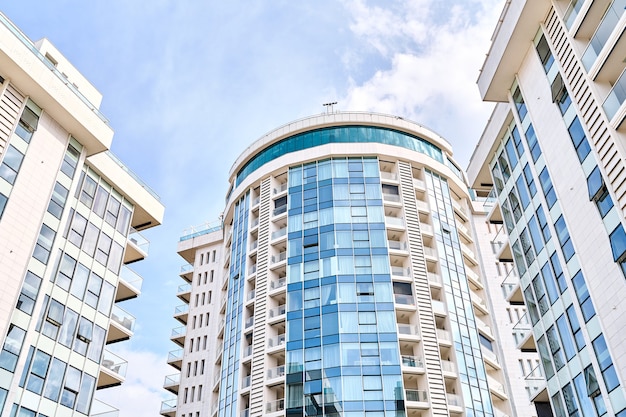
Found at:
[389, 176]
[282, 187]
[173, 379]
[246, 381]
[280, 210]
[412, 361]
[448, 366]
[101, 409]
[278, 311]
[186, 268]
[131, 278]
[277, 372]
[123, 318]
[443, 335]
[416, 395]
[249, 322]
[400, 272]
[434, 278]
[279, 283]
[181, 309]
[254, 245]
[275, 406]
[396, 245]
[408, 329]
[394, 221]
[279, 233]
[279, 258]
[252, 270]
[168, 406]
[404, 299]
[175, 355]
[254, 223]
[616, 97]
[247, 351]
[603, 32]
[454, 400]
[276, 341]
[138, 240]
[250, 295]
[256, 200]
[245, 413]
[179, 331]
[183, 288]
[394, 198]
[114, 363]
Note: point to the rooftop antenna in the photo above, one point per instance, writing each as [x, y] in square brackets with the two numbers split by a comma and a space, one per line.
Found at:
[329, 107]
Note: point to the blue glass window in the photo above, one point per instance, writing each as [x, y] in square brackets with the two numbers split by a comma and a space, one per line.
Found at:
[504, 167]
[580, 288]
[545, 55]
[575, 326]
[509, 147]
[543, 223]
[598, 192]
[528, 176]
[535, 234]
[533, 144]
[618, 243]
[519, 103]
[523, 192]
[564, 239]
[566, 337]
[558, 272]
[546, 185]
[606, 363]
[579, 139]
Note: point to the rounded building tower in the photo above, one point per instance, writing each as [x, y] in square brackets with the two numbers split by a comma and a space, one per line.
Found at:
[350, 283]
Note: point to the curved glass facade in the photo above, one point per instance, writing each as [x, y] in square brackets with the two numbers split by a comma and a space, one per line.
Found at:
[339, 134]
[342, 347]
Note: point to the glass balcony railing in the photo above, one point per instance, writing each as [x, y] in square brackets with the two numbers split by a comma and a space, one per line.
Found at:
[139, 241]
[279, 283]
[404, 299]
[443, 335]
[131, 278]
[448, 366]
[396, 245]
[389, 176]
[245, 413]
[201, 229]
[279, 233]
[454, 400]
[114, 363]
[275, 312]
[281, 188]
[616, 97]
[133, 175]
[412, 361]
[572, 11]
[277, 372]
[416, 395]
[249, 322]
[603, 32]
[394, 221]
[181, 309]
[101, 409]
[280, 210]
[276, 341]
[394, 198]
[186, 268]
[247, 351]
[250, 295]
[183, 288]
[168, 406]
[279, 258]
[408, 329]
[400, 272]
[123, 318]
[173, 379]
[246, 381]
[179, 331]
[275, 406]
[252, 270]
[175, 355]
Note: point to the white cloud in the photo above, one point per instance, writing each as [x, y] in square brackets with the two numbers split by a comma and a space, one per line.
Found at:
[432, 77]
[142, 392]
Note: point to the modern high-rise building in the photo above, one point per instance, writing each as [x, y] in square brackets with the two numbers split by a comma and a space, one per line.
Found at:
[553, 157]
[70, 215]
[346, 278]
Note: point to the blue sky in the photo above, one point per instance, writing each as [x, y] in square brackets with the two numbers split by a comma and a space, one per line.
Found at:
[188, 85]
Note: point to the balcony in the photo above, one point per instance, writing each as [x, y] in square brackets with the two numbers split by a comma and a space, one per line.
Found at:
[276, 342]
[602, 34]
[255, 201]
[252, 270]
[523, 334]
[455, 403]
[277, 234]
[276, 314]
[389, 176]
[137, 247]
[281, 188]
[275, 406]
[464, 232]
[249, 322]
[121, 325]
[439, 308]
[186, 272]
[416, 399]
[175, 358]
[397, 271]
[460, 211]
[250, 296]
[496, 388]
[181, 313]
[427, 230]
[112, 370]
[616, 97]
[434, 279]
[404, 300]
[479, 304]
[178, 335]
[247, 351]
[490, 358]
[430, 254]
[246, 382]
[254, 223]
[412, 364]
[101, 409]
[449, 369]
[172, 382]
[220, 328]
[276, 375]
[168, 408]
[474, 279]
[278, 284]
[444, 337]
[469, 254]
[281, 257]
[184, 292]
[408, 332]
[280, 210]
[391, 198]
[396, 245]
[535, 382]
[394, 222]
[419, 185]
[129, 285]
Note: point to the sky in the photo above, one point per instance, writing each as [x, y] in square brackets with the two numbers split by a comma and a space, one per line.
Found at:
[188, 85]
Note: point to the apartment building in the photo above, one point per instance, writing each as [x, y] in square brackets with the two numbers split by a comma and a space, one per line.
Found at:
[70, 220]
[552, 158]
[346, 279]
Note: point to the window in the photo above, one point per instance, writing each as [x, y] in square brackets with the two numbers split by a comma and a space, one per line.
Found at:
[543, 223]
[103, 248]
[518, 100]
[606, 363]
[544, 354]
[38, 372]
[11, 164]
[88, 192]
[28, 295]
[519, 258]
[535, 234]
[575, 326]
[533, 144]
[57, 202]
[90, 239]
[580, 288]
[93, 290]
[558, 272]
[566, 337]
[527, 247]
[497, 178]
[84, 335]
[523, 193]
[618, 243]
[100, 202]
[3, 203]
[123, 220]
[12, 347]
[55, 379]
[598, 192]
[70, 161]
[555, 347]
[515, 205]
[530, 182]
[44, 244]
[546, 185]
[564, 239]
[545, 55]
[71, 387]
[509, 147]
[115, 258]
[79, 281]
[77, 230]
[549, 282]
[113, 209]
[53, 319]
[504, 167]
[560, 96]
[579, 139]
